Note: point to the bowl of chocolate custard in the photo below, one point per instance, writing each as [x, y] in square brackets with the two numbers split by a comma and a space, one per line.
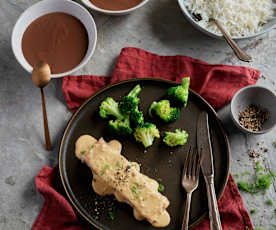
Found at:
[61, 33]
[114, 7]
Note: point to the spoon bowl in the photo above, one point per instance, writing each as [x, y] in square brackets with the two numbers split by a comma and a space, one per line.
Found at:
[41, 76]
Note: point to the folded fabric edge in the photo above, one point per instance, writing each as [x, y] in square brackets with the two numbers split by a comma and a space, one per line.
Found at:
[138, 52]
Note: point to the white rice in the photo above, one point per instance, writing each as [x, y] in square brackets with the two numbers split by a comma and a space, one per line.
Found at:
[238, 17]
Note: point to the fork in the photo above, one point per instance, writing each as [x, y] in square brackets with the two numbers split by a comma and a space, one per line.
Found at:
[190, 181]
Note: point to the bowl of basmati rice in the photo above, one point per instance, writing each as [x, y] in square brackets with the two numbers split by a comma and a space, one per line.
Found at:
[240, 18]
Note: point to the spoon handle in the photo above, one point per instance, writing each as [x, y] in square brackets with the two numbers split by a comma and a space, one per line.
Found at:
[46, 128]
[239, 53]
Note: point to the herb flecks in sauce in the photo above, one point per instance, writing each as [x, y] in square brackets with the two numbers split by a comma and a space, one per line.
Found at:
[106, 167]
[136, 166]
[136, 190]
[118, 164]
[83, 152]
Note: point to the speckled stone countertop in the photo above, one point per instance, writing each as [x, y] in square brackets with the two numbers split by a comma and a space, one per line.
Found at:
[158, 27]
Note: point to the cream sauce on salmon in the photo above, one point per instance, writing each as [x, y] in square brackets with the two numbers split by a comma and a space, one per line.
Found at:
[114, 174]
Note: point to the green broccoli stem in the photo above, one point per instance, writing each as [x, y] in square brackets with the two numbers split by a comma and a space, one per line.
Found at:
[151, 108]
[117, 113]
[135, 91]
[186, 82]
[147, 139]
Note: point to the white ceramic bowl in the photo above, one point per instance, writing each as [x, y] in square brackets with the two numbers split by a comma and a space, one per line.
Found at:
[267, 27]
[51, 6]
[256, 95]
[113, 12]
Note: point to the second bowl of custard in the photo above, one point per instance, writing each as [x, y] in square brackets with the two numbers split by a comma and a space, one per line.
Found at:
[61, 33]
[114, 7]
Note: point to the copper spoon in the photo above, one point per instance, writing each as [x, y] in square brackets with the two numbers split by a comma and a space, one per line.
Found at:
[239, 53]
[41, 76]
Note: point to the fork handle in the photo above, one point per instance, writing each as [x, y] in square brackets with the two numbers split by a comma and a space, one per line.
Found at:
[215, 223]
[185, 222]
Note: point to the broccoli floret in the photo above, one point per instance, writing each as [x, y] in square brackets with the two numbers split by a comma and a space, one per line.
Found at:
[178, 137]
[120, 127]
[109, 107]
[179, 94]
[129, 104]
[146, 134]
[137, 118]
[164, 111]
[131, 101]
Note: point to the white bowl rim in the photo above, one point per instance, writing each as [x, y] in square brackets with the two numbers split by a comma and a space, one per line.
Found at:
[84, 61]
[232, 109]
[189, 17]
[92, 6]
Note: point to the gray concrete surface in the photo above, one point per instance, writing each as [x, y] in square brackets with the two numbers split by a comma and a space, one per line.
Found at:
[158, 27]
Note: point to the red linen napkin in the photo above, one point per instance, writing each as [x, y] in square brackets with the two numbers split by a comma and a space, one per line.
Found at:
[216, 83]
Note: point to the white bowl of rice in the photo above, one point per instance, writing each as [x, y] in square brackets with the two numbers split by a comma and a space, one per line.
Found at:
[240, 18]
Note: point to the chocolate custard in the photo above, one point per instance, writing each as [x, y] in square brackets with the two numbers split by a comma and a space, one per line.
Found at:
[59, 39]
[115, 4]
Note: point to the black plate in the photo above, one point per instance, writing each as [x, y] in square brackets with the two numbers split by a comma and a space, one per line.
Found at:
[158, 161]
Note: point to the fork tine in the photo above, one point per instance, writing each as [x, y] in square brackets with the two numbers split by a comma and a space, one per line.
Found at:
[186, 163]
[190, 164]
[190, 180]
[195, 163]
